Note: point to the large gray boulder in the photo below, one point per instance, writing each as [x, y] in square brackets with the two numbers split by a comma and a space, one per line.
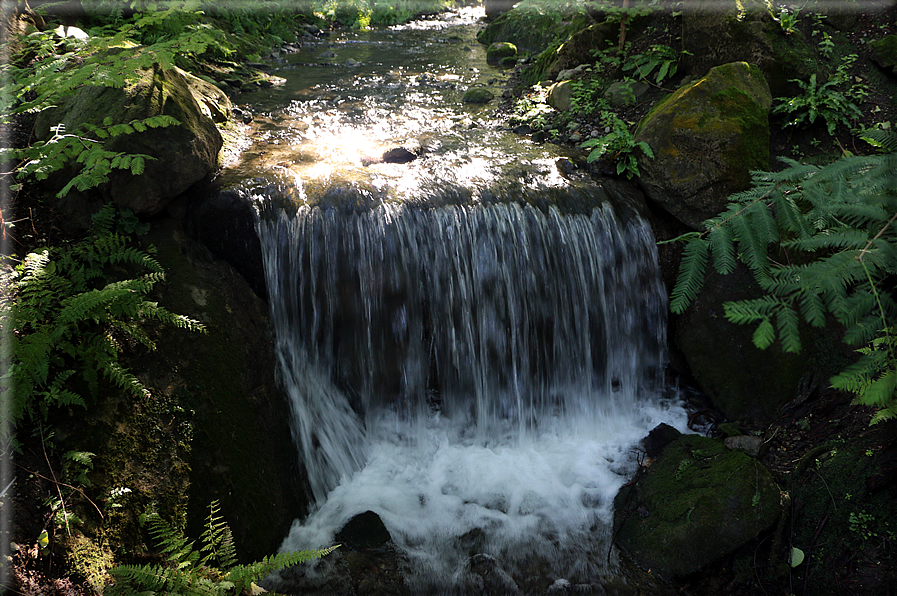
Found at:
[696, 503]
[706, 137]
[743, 381]
[184, 154]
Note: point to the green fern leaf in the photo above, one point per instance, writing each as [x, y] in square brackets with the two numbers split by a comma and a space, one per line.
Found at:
[788, 321]
[691, 275]
[723, 249]
[764, 335]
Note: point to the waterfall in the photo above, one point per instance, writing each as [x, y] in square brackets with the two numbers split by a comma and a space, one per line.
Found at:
[425, 345]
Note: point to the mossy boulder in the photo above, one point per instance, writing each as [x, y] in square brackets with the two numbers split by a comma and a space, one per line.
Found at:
[884, 52]
[498, 51]
[184, 154]
[696, 503]
[477, 95]
[716, 33]
[706, 138]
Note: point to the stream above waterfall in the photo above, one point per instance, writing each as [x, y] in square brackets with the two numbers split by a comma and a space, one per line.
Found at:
[472, 343]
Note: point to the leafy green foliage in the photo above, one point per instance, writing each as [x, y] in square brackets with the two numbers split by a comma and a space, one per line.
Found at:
[84, 148]
[834, 101]
[661, 57]
[49, 68]
[833, 237]
[788, 19]
[619, 144]
[72, 310]
[211, 570]
[532, 108]
[586, 99]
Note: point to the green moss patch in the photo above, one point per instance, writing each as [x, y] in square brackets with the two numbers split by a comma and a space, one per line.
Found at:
[696, 503]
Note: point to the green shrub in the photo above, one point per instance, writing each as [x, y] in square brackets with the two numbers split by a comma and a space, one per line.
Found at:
[619, 145]
[661, 57]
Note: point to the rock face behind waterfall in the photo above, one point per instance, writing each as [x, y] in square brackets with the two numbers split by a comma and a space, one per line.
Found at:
[216, 426]
[717, 32]
[706, 137]
[184, 154]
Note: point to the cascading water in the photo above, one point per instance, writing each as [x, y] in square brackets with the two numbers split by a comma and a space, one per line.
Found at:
[469, 358]
[468, 370]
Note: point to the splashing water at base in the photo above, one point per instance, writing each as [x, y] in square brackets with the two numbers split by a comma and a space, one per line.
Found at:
[476, 375]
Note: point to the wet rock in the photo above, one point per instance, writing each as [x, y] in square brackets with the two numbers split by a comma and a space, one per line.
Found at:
[408, 152]
[477, 95]
[365, 530]
[482, 575]
[707, 137]
[744, 382]
[328, 54]
[244, 115]
[696, 503]
[523, 129]
[660, 436]
[350, 62]
[746, 443]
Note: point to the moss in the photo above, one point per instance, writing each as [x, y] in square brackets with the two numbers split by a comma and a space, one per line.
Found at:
[499, 50]
[89, 560]
[697, 502]
[477, 95]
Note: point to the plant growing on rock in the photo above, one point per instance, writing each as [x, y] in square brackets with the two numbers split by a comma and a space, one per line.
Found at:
[212, 570]
[619, 144]
[821, 242]
[833, 101]
[49, 68]
[661, 57]
[72, 310]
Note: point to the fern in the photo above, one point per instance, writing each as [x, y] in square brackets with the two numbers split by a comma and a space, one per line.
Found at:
[836, 226]
[185, 571]
[69, 324]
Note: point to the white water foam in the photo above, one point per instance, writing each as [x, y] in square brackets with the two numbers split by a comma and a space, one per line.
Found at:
[547, 499]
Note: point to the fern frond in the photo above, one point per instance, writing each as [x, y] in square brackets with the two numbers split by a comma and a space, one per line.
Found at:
[243, 575]
[886, 139]
[173, 543]
[722, 245]
[752, 244]
[217, 540]
[691, 275]
[788, 321]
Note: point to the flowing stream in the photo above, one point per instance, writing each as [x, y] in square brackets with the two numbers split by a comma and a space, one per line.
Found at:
[473, 344]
